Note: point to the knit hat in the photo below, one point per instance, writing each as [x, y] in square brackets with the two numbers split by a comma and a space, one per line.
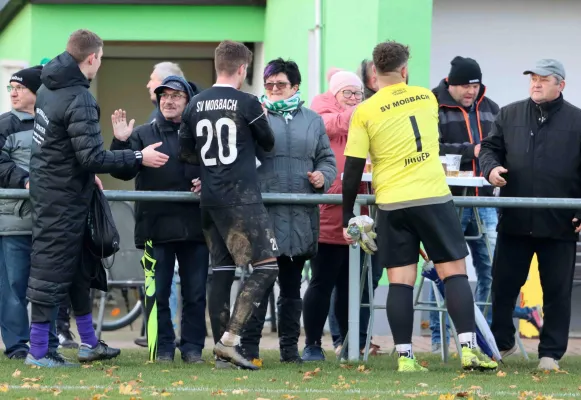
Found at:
[29, 78]
[343, 79]
[332, 71]
[464, 71]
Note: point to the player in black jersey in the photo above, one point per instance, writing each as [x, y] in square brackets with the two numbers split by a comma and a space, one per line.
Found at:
[220, 131]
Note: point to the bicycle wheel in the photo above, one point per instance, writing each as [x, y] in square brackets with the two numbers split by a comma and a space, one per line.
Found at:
[115, 320]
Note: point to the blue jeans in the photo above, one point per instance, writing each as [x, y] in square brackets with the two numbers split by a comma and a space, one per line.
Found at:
[364, 313]
[14, 273]
[480, 259]
[193, 258]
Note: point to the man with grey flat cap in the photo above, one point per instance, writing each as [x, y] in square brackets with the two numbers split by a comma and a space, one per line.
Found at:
[534, 150]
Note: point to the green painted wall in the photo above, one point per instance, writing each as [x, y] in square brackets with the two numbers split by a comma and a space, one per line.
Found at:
[350, 33]
[143, 23]
[15, 39]
[409, 22]
[287, 34]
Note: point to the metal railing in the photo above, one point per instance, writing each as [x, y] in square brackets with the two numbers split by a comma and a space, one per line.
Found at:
[354, 254]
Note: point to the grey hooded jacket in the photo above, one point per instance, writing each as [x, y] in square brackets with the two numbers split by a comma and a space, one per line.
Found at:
[301, 146]
[15, 144]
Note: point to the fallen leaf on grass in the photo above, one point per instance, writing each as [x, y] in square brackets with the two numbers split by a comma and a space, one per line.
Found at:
[165, 370]
[3, 388]
[424, 363]
[346, 366]
[560, 371]
[289, 397]
[536, 378]
[461, 376]
[166, 394]
[239, 391]
[421, 384]
[219, 392]
[31, 379]
[462, 394]
[87, 366]
[56, 392]
[261, 398]
[475, 388]
[447, 396]
[501, 374]
[363, 368]
[512, 386]
[16, 373]
[411, 396]
[309, 374]
[178, 383]
[274, 380]
[127, 389]
[98, 396]
[195, 378]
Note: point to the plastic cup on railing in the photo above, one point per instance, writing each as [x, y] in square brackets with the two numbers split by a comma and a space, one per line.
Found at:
[453, 164]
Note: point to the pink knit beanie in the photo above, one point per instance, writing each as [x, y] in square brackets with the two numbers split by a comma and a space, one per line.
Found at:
[342, 79]
[332, 71]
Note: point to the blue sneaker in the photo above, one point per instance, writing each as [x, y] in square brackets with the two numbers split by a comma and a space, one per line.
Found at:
[50, 360]
[313, 352]
[100, 352]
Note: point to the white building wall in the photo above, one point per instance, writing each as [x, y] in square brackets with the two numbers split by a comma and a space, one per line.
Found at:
[506, 37]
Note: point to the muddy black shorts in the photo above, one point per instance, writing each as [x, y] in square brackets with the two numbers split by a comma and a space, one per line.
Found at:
[239, 235]
[436, 226]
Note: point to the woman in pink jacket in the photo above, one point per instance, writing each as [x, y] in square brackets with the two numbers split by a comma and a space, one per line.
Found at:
[330, 266]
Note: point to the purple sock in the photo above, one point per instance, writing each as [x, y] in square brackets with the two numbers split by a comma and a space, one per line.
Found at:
[86, 330]
[39, 339]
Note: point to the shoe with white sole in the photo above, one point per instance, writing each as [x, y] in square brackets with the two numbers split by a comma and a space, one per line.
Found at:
[548, 364]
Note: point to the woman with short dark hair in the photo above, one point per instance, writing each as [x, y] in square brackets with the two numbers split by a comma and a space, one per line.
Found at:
[301, 162]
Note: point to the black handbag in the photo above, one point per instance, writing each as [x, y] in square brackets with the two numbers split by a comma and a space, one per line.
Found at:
[102, 235]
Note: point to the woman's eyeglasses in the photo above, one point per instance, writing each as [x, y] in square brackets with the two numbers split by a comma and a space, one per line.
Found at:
[348, 93]
[173, 96]
[279, 85]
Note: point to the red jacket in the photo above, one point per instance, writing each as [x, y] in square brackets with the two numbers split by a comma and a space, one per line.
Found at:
[336, 120]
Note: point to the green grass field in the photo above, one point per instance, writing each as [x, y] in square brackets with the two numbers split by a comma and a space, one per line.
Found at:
[131, 376]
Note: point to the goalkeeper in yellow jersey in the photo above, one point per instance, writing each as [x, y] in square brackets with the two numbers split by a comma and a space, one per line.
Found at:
[398, 127]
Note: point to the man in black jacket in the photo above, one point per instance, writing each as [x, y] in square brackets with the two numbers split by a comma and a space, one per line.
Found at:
[173, 228]
[465, 118]
[534, 150]
[67, 151]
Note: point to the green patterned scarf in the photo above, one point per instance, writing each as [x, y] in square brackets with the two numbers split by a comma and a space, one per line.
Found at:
[283, 107]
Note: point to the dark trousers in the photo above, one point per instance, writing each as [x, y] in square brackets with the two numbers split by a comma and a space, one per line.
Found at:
[80, 298]
[330, 269]
[364, 313]
[510, 270]
[193, 258]
[289, 308]
[63, 319]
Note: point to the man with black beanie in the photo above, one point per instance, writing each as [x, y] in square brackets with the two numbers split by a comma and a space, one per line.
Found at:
[465, 118]
[15, 218]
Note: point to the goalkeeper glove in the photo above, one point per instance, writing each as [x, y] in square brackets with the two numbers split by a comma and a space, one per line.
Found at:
[360, 229]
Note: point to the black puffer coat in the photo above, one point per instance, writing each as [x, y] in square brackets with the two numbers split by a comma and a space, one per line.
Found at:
[67, 151]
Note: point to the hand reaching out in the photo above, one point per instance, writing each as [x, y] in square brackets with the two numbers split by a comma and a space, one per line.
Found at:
[153, 158]
[121, 129]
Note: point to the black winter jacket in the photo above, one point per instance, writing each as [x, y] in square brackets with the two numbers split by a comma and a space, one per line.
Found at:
[162, 222]
[455, 132]
[540, 146]
[67, 151]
